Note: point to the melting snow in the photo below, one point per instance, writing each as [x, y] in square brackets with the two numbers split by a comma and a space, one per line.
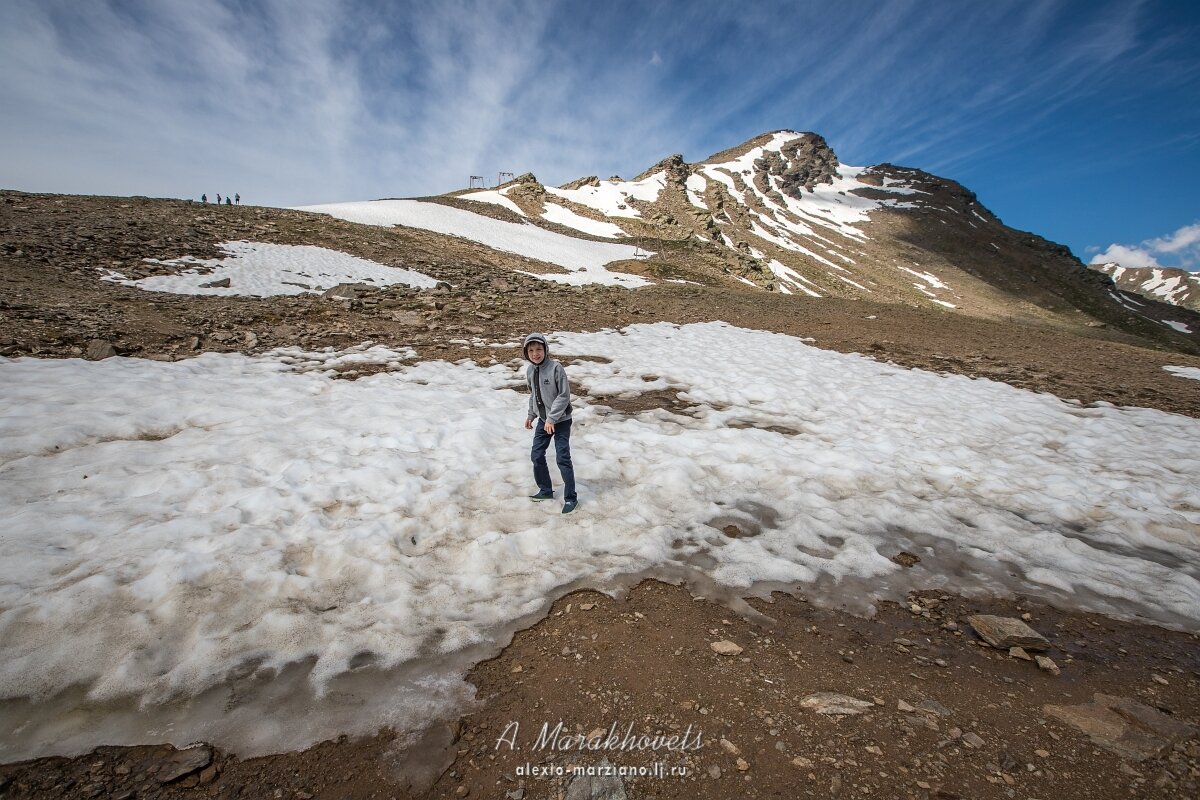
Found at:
[567, 217]
[609, 197]
[586, 259]
[258, 269]
[1185, 372]
[173, 523]
[495, 197]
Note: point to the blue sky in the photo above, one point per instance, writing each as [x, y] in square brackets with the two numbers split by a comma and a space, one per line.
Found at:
[1079, 121]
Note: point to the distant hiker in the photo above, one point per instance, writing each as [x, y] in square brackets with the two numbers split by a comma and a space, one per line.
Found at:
[237, 199]
[550, 405]
[218, 198]
[228, 201]
[204, 198]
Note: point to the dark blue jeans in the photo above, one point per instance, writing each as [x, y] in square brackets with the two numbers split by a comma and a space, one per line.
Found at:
[562, 452]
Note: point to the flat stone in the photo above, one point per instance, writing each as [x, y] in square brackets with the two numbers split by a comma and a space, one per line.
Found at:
[725, 648]
[1046, 664]
[1006, 632]
[1132, 730]
[1150, 719]
[184, 762]
[98, 349]
[1019, 652]
[933, 707]
[835, 704]
[597, 787]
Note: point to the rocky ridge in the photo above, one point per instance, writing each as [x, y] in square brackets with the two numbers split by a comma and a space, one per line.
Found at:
[1162, 284]
[781, 213]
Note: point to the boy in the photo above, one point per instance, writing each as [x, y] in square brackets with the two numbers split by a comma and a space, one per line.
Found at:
[550, 405]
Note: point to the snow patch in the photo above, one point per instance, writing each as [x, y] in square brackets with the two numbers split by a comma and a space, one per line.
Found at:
[239, 514]
[258, 269]
[577, 255]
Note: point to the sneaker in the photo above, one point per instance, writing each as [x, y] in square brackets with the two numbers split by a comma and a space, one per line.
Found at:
[542, 495]
[569, 506]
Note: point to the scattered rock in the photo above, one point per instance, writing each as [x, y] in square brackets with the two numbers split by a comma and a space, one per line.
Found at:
[742, 765]
[933, 707]
[1006, 632]
[730, 747]
[346, 291]
[905, 559]
[99, 349]
[714, 771]
[972, 739]
[182, 763]
[1019, 652]
[904, 707]
[1046, 664]
[1123, 726]
[223, 283]
[835, 704]
[596, 787]
[725, 648]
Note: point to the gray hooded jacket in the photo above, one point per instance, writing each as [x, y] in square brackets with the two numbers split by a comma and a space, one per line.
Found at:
[549, 391]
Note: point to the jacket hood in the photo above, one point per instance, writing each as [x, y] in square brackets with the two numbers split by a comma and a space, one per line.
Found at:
[530, 339]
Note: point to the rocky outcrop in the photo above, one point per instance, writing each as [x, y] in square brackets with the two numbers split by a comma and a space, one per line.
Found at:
[800, 164]
[676, 169]
[579, 183]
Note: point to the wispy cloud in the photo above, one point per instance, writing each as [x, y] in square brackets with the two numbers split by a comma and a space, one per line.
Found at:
[1180, 249]
[297, 101]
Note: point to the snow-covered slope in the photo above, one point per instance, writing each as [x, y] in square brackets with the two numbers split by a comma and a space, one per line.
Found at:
[782, 212]
[1175, 286]
[584, 260]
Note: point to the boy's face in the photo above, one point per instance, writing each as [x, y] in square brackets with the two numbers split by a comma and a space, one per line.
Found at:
[536, 352]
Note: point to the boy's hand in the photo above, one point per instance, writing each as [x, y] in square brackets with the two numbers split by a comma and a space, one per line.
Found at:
[549, 427]
[528, 424]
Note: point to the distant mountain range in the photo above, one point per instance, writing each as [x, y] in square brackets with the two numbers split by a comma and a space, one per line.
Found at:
[1175, 286]
[781, 213]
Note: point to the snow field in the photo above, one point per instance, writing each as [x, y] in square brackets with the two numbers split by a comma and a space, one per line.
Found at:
[258, 269]
[586, 259]
[254, 511]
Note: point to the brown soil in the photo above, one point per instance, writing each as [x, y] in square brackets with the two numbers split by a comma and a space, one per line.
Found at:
[52, 304]
[645, 659]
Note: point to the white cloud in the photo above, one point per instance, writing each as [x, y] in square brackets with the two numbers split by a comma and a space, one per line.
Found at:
[1180, 250]
[1184, 239]
[655, 59]
[1126, 257]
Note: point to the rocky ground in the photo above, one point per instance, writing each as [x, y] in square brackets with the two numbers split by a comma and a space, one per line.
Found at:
[54, 249]
[943, 714]
[938, 713]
